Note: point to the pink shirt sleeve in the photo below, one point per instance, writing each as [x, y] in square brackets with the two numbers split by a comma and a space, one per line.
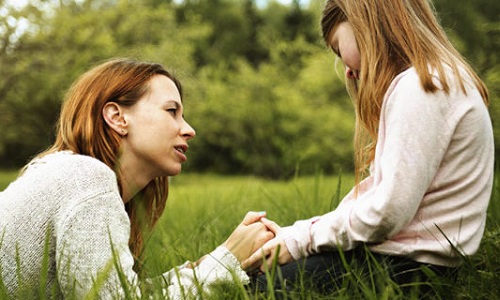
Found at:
[417, 133]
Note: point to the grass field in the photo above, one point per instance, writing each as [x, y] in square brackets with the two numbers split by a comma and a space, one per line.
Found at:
[202, 211]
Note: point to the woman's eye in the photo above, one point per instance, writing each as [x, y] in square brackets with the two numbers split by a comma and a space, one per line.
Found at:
[173, 111]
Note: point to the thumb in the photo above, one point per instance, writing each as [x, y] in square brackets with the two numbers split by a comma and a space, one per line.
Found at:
[252, 217]
[271, 225]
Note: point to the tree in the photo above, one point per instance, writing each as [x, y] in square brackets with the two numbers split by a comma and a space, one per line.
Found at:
[260, 85]
[62, 41]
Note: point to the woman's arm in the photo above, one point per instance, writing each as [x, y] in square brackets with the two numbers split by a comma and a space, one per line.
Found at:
[93, 254]
[224, 263]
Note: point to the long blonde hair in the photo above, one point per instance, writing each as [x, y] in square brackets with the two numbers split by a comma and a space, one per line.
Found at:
[82, 129]
[392, 35]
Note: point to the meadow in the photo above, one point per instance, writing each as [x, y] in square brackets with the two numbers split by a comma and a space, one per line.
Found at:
[203, 209]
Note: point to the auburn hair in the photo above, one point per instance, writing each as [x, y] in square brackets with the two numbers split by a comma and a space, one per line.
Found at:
[392, 36]
[81, 128]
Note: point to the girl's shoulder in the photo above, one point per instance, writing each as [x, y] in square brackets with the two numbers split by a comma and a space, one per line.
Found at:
[408, 80]
[406, 94]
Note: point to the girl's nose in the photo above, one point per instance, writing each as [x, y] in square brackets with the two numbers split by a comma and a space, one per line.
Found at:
[187, 131]
[351, 74]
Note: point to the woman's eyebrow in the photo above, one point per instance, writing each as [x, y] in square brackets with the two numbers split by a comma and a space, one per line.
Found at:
[175, 102]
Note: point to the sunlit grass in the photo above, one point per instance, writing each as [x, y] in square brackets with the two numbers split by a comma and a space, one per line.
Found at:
[203, 210]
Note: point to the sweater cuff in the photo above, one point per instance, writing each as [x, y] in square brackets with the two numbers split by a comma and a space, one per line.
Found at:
[228, 265]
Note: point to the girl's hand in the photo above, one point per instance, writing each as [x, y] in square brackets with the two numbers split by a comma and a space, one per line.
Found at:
[275, 248]
[249, 236]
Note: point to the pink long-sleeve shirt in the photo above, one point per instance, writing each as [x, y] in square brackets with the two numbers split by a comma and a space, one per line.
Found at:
[429, 185]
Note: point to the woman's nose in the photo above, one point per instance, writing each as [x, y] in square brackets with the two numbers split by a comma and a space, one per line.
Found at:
[351, 74]
[187, 131]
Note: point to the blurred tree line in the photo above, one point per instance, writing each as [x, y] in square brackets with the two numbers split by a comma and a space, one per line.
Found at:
[261, 89]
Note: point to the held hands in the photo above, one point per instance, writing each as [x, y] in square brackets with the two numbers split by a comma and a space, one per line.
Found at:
[275, 248]
[248, 237]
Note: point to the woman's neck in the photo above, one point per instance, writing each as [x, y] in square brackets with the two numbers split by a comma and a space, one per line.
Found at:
[131, 181]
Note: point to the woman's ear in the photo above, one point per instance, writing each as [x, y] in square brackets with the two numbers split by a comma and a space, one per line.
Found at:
[113, 114]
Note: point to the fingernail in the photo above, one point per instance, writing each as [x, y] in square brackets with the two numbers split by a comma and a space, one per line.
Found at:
[262, 213]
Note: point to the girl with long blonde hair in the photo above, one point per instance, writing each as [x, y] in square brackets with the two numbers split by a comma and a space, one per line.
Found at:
[424, 152]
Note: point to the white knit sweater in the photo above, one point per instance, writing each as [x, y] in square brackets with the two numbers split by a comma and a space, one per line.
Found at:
[72, 204]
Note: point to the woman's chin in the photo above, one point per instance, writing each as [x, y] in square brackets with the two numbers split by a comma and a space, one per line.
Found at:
[174, 171]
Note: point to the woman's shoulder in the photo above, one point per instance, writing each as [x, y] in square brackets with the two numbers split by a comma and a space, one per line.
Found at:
[69, 162]
[69, 170]
[57, 183]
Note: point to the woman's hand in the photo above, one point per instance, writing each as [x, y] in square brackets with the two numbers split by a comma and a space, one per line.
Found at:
[249, 236]
[275, 248]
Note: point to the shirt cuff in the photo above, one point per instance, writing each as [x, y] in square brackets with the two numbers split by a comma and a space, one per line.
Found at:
[298, 238]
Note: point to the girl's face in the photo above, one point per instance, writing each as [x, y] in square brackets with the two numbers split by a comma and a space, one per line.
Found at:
[156, 141]
[343, 43]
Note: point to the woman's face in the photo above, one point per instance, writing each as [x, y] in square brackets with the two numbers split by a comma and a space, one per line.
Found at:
[157, 134]
[343, 43]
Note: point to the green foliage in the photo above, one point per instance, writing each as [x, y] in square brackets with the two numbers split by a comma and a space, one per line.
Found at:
[6, 177]
[61, 42]
[261, 89]
[269, 130]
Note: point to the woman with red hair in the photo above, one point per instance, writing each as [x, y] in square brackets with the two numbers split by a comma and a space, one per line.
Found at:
[72, 223]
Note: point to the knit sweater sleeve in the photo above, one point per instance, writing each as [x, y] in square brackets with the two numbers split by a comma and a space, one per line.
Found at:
[413, 137]
[93, 256]
[92, 238]
[218, 266]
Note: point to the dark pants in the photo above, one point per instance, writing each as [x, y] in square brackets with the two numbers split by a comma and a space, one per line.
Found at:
[328, 272]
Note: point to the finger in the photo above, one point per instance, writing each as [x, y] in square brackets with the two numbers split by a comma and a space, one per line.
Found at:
[254, 268]
[255, 258]
[267, 264]
[271, 225]
[252, 217]
[258, 227]
[251, 263]
[262, 238]
[269, 235]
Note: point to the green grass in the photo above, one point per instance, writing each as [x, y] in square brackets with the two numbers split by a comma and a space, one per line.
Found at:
[203, 210]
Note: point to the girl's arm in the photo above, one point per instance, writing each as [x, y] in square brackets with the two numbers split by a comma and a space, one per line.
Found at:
[414, 134]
